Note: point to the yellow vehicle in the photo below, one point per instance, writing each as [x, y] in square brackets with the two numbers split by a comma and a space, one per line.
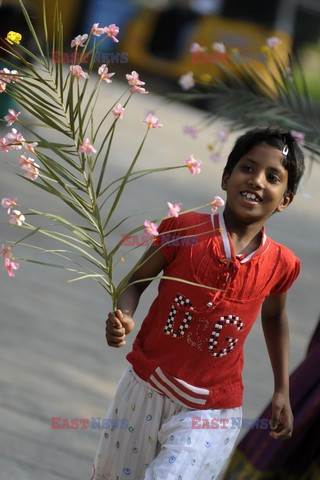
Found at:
[68, 9]
[159, 41]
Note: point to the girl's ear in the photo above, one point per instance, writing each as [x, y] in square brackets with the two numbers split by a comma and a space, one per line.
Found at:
[224, 180]
[287, 199]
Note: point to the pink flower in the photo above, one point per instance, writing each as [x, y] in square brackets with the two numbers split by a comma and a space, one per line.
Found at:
[174, 209]
[3, 86]
[77, 71]
[272, 42]
[190, 130]
[16, 218]
[11, 117]
[112, 31]
[31, 168]
[186, 81]
[135, 83]
[95, 30]
[14, 139]
[11, 266]
[5, 75]
[25, 162]
[32, 172]
[218, 47]
[138, 89]
[4, 147]
[104, 75]
[79, 41]
[118, 111]
[29, 147]
[6, 252]
[86, 147]
[8, 76]
[195, 47]
[151, 228]
[193, 164]
[223, 134]
[133, 78]
[216, 203]
[298, 136]
[8, 203]
[15, 77]
[152, 121]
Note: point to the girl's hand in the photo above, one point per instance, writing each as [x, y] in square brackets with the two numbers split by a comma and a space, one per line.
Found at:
[281, 423]
[118, 326]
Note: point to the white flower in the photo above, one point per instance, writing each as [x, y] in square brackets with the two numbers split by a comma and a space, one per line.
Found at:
[186, 81]
[218, 47]
[195, 47]
[272, 42]
[16, 218]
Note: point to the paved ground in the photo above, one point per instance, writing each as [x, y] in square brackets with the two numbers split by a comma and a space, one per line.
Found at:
[54, 360]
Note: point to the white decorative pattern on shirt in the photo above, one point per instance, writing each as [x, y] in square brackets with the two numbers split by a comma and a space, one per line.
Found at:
[179, 300]
[213, 342]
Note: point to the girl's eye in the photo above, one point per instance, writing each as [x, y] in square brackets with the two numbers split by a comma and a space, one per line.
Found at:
[246, 168]
[273, 178]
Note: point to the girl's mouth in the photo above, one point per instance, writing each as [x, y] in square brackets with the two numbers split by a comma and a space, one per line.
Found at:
[251, 197]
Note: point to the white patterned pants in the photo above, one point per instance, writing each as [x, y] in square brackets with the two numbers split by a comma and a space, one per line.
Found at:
[151, 437]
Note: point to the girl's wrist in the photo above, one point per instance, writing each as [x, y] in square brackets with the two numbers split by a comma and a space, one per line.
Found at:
[283, 389]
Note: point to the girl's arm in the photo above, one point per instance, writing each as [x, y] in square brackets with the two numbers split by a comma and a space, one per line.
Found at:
[120, 323]
[276, 333]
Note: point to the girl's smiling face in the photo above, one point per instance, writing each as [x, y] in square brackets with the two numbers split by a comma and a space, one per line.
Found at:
[257, 185]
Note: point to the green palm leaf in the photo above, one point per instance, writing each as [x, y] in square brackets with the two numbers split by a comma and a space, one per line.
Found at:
[61, 102]
[247, 99]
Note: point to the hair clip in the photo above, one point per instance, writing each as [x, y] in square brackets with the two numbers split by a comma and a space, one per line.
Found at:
[285, 150]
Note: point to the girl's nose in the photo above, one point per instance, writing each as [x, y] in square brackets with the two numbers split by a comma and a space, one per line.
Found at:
[257, 181]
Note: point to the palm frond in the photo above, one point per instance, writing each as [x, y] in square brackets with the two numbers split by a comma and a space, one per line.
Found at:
[247, 99]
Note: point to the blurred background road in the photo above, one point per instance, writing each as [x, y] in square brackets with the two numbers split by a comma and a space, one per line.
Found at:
[54, 359]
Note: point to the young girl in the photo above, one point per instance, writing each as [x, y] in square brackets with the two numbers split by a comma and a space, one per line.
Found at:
[177, 408]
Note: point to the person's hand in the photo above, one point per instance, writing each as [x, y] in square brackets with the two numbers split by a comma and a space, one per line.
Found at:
[118, 326]
[281, 423]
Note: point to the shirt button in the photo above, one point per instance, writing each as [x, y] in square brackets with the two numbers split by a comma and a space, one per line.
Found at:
[209, 304]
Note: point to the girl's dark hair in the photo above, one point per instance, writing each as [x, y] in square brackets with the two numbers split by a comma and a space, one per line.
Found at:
[277, 138]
